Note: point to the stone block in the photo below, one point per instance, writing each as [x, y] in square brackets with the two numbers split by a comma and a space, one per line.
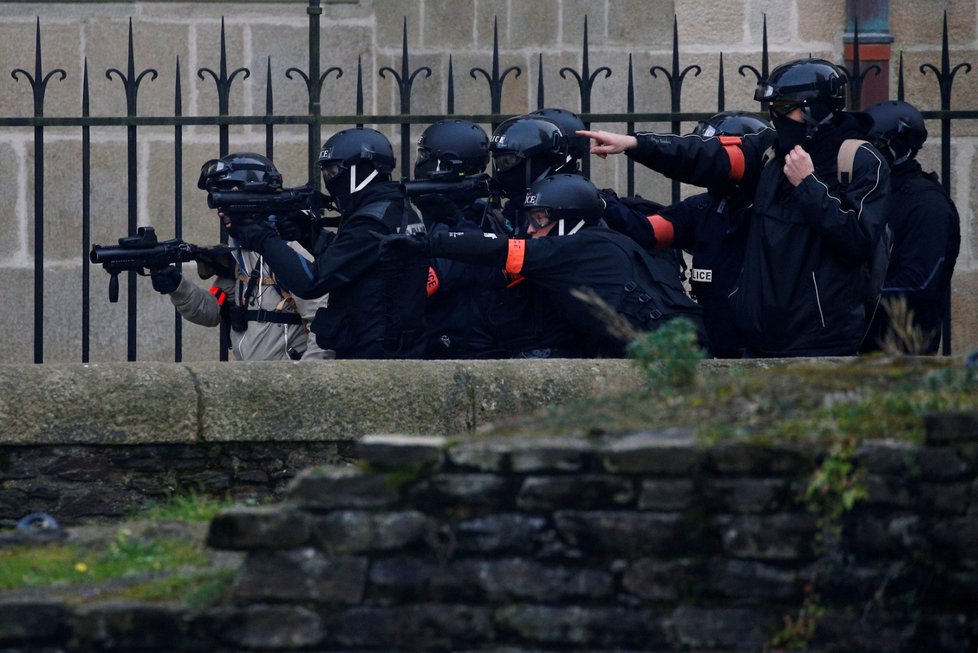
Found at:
[503, 532]
[951, 428]
[448, 25]
[667, 495]
[705, 24]
[671, 452]
[301, 575]
[522, 454]
[31, 621]
[582, 627]
[349, 532]
[425, 627]
[784, 536]
[919, 22]
[243, 528]
[819, 21]
[747, 495]
[761, 459]
[655, 579]
[581, 491]
[624, 534]
[127, 625]
[523, 30]
[964, 311]
[331, 488]
[573, 13]
[393, 21]
[704, 628]
[752, 582]
[93, 402]
[646, 24]
[461, 490]
[891, 535]
[264, 626]
[518, 579]
[402, 451]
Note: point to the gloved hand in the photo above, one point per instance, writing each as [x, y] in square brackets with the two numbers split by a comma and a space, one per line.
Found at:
[165, 280]
[397, 246]
[438, 208]
[294, 226]
[251, 233]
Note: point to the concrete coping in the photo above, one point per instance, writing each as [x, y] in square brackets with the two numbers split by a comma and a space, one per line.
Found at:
[167, 403]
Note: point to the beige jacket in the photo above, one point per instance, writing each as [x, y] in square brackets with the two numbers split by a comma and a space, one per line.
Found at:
[261, 340]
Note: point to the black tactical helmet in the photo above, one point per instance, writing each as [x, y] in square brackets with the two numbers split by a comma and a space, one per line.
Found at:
[898, 130]
[816, 86]
[244, 171]
[569, 199]
[451, 148]
[353, 158]
[525, 149]
[578, 147]
[731, 123]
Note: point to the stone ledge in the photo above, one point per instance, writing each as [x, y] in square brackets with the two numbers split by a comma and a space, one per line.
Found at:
[172, 403]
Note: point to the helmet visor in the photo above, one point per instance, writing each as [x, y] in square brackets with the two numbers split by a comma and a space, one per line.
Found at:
[539, 216]
[506, 160]
[782, 107]
[211, 170]
[331, 169]
[429, 165]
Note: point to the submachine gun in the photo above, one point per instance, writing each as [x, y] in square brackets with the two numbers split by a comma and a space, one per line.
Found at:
[143, 253]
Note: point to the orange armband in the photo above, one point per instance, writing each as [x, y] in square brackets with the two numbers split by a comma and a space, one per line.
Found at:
[731, 145]
[663, 230]
[515, 255]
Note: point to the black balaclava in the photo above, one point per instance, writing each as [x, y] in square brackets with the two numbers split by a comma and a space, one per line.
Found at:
[790, 133]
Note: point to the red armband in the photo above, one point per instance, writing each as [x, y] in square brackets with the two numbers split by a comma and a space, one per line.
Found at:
[731, 145]
[663, 230]
[515, 256]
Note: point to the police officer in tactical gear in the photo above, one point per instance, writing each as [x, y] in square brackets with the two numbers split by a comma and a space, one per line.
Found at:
[804, 282]
[569, 249]
[376, 309]
[926, 235]
[267, 322]
[455, 152]
[524, 150]
[712, 227]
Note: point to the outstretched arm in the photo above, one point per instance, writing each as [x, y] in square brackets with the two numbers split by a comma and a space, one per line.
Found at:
[605, 143]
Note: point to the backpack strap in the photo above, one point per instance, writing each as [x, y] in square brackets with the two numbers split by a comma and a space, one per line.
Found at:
[847, 154]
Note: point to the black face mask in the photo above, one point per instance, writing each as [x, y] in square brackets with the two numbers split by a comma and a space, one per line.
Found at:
[790, 133]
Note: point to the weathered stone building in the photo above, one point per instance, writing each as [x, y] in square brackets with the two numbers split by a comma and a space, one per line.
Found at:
[173, 44]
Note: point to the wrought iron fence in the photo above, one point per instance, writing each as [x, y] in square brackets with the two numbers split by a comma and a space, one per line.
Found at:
[404, 79]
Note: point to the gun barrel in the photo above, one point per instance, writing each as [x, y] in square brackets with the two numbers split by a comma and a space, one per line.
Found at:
[289, 199]
[114, 257]
[418, 187]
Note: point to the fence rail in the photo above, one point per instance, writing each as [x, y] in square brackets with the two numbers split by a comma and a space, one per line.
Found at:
[403, 79]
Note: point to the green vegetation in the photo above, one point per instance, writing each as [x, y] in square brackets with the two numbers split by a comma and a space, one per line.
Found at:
[761, 402]
[190, 507]
[156, 558]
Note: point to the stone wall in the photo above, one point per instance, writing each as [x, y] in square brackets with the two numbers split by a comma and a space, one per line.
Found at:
[643, 542]
[95, 441]
[276, 33]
